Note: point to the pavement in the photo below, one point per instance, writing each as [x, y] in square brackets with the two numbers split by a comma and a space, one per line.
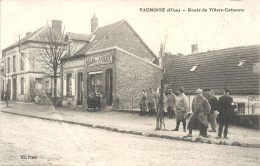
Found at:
[131, 123]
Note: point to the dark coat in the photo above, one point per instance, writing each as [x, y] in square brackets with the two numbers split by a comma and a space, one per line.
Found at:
[226, 109]
[200, 109]
[213, 102]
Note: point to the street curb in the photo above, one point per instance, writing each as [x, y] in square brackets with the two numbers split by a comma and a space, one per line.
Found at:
[144, 134]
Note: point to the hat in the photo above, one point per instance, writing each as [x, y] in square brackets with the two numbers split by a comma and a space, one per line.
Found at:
[181, 89]
[226, 90]
[199, 91]
[207, 90]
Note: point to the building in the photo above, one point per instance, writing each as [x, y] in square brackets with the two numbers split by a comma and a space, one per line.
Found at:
[2, 76]
[236, 69]
[24, 75]
[112, 61]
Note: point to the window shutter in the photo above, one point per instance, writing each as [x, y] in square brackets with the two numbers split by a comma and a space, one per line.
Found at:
[19, 86]
[64, 85]
[73, 84]
[24, 85]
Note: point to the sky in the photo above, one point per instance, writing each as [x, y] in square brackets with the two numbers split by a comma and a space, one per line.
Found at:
[210, 30]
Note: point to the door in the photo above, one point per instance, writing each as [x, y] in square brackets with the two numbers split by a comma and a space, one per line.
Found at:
[109, 86]
[80, 88]
[14, 89]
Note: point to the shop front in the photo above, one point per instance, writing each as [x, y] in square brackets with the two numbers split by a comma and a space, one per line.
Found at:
[99, 72]
[110, 78]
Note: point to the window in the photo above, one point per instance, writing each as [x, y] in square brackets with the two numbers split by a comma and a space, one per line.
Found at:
[95, 82]
[14, 64]
[241, 108]
[69, 84]
[38, 83]
[22, 85]
[194, 68]
[48, 87]
[22, 61]
[8, 64]
[240, 64]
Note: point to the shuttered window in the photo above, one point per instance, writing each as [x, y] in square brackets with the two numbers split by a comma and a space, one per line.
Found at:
[69, 84]
[22, 86]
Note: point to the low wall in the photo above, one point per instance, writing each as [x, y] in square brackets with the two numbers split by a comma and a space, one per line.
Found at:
[249, 121]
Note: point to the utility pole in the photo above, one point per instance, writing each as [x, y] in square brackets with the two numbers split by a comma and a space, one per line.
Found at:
[160, 104]
[160, 108]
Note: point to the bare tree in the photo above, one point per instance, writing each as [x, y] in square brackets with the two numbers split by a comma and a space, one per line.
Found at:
[52, 50]
[164, 41]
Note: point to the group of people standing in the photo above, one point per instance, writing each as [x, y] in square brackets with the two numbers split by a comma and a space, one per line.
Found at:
[204, 109]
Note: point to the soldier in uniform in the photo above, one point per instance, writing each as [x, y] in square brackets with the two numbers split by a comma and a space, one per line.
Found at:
[152, 100]
[200, 109]
[181, 109]
[143, 100]
[226, 108]
[171, 102]
[209, 95]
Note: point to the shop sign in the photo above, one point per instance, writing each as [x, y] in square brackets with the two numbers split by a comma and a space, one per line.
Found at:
[99, 60]
[254, 98]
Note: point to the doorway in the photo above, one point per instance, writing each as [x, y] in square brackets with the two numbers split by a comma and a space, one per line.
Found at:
[80, 88]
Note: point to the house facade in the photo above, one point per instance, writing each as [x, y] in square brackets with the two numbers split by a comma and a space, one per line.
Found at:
[114, 62]
[236, 69]
[24, 75]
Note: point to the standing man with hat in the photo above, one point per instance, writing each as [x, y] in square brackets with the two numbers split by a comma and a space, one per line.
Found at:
[209, 95]
[199, 119]
[226, 108]
[152, 100]
[181, 109]
[143, 99]
[171, 101]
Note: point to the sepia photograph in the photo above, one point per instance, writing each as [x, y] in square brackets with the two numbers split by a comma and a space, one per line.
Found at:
[129, 83]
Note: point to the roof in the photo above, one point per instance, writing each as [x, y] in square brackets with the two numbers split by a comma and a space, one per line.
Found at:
[217, 70]
[79, 37]
[101, 33]
[29, 37]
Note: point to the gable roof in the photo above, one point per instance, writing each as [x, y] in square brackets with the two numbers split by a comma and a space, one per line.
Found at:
[79, 37]
[216, 70]
[98, 34]
[101, 33]
[29, 37]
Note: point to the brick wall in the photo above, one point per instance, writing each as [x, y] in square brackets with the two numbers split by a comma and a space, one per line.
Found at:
[125, 38]
[133, 75]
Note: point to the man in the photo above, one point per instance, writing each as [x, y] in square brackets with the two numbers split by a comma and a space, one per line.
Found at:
[200, 108]
[226, 107]
[143, 106]
[209, 95]
[181, 109]
[171, 101]
[152, 100]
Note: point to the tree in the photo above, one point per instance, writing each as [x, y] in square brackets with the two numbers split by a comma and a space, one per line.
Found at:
[52, 50]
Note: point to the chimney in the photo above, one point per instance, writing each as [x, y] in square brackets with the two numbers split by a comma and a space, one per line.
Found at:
[28, 33]
[94, 23]
[57, 25]
[194, 48]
